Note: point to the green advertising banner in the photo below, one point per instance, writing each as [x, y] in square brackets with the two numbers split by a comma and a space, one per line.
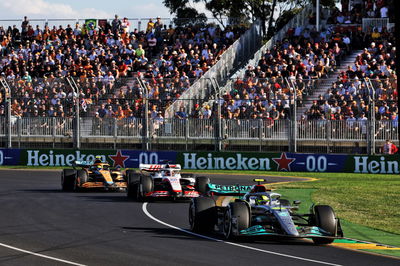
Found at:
[383, 164]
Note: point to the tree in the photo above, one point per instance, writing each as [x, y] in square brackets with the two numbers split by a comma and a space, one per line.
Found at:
[244, 10]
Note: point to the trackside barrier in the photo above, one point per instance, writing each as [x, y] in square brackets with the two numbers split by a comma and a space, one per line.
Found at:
[192, 160]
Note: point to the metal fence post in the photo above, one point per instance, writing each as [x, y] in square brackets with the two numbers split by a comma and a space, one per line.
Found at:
[9, 132]
[260, 132]
[53, 123]
[186, 132]
[115, 131]
[8, 102]
[372, 129]
[76, 100]
[219, 126]
[328, 134]
[19, 131]
[146, 136]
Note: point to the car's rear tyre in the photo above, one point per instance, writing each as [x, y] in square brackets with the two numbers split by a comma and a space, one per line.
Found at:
[67, 179]
[201, 184]
[146, 186]
[241, 211]
[202, 214]
[127, 173]
[325, 219]
[133, 185]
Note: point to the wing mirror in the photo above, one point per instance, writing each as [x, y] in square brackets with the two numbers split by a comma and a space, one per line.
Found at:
[296, 202]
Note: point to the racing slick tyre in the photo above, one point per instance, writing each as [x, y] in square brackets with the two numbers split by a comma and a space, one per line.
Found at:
[325, 219]
[202, 214]
[240, 210]
[68, 179]
[80, 178]
[127, 173]
[133, 185]
[146, 185]
[201, 184]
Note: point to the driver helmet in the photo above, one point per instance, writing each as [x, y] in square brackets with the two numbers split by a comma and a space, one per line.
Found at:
[262, 200]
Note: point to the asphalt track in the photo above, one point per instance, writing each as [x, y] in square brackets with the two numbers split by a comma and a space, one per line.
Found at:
[97, 228]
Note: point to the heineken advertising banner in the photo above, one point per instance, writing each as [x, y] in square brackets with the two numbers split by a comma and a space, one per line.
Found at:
[289, 162]
[66, 157]
[389, 164]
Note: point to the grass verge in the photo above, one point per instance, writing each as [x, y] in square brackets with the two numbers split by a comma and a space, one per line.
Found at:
[351, 230]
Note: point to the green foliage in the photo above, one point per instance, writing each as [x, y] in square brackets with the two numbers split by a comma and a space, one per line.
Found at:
[186, 16]
[243, 11]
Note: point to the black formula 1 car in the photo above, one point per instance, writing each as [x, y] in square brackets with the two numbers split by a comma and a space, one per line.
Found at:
[255, 211]
[93, 175]
[164, 181]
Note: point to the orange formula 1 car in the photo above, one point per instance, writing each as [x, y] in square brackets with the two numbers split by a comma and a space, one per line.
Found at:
[93, 175]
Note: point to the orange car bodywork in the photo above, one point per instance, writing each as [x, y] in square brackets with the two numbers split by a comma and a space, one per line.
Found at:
[117, 183]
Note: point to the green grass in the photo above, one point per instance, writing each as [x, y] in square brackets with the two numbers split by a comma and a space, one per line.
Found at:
[351, 230]
[369, 200]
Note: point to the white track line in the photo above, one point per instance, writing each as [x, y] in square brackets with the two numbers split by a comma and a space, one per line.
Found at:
[41, 255]
[144, 208]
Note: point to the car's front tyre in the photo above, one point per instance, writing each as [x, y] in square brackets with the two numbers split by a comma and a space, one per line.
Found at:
[325, 218]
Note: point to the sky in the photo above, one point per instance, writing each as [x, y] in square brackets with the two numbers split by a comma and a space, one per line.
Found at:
[48, 9]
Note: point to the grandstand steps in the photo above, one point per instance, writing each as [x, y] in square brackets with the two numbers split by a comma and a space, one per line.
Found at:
[325, 84]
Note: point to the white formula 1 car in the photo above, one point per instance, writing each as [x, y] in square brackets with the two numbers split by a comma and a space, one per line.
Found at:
[164, 180]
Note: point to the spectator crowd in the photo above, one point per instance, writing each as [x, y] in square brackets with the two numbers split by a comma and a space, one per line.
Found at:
[297, 65]
[105, 61]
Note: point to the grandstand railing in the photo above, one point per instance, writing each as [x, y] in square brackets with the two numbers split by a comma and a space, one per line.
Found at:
[233, 57]
[52, 131]
[219, 132]
[379, 23]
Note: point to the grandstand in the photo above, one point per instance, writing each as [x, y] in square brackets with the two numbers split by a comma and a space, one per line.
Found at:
[204, 86]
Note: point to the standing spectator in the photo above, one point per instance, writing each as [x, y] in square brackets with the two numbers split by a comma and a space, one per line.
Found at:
[150, 26]
[158, 121]
[384, 11]
[158, 27]
[125, 24]
[389, 147]
[24, 28]
[116, 25]
[96, 124]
